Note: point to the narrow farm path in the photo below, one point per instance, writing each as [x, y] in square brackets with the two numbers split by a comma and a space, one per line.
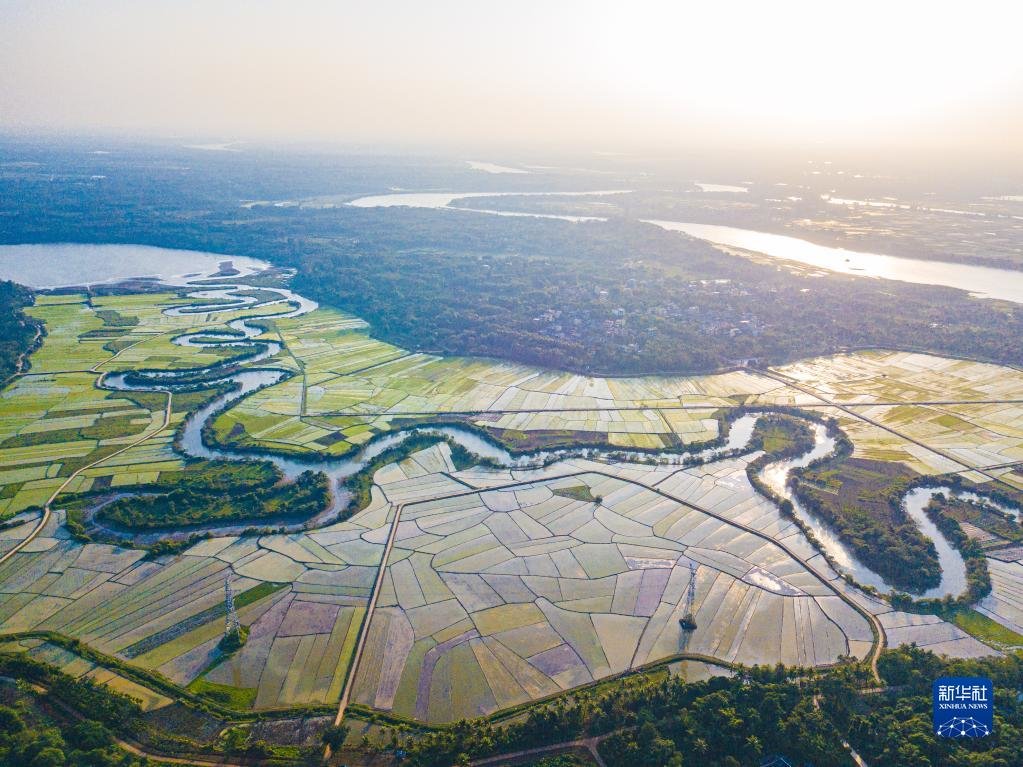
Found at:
[353, 667]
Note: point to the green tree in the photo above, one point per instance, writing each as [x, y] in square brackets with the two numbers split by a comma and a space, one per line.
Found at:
[335, 736]
[48, 757]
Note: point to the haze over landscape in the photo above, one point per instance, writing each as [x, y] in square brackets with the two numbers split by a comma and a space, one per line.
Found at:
[548, 384]
[598, 75]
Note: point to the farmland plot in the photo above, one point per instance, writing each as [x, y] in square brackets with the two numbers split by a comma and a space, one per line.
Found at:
[492, 595]
[905, 376]
[499, 597]
[55, 420]
[975, 435]
[303, 596]
[351, 386]
[1005, 603]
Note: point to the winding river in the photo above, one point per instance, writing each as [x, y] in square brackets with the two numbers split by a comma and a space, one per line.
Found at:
[246, 332]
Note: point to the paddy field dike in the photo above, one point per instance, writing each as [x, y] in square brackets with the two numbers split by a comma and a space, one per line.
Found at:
[449, 587]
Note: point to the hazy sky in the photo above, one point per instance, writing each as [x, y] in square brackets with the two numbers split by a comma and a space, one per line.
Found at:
[590, 73]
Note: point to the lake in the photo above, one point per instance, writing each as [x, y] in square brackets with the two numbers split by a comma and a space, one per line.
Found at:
[61, 264]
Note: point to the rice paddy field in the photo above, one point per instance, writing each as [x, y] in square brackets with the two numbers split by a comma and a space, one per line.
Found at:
[964, 413]
[934, 414]
[303, 598]
[478, 589]
[353, 387]
[55, 422]
[523, 592]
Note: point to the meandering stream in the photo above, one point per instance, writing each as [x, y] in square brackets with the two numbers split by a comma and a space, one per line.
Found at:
[245, 333]
[186, 269]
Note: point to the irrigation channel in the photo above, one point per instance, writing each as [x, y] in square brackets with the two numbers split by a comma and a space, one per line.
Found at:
[244, 332]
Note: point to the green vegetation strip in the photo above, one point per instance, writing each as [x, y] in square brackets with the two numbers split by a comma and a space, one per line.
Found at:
[238, 698]
[18, 332]
[800, 713]
[98, 712]
[216, 492]
[986, 630]
[578, 493]
[861, 500]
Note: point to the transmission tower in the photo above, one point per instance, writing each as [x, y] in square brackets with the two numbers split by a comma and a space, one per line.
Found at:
[231, 625]
[688, 621]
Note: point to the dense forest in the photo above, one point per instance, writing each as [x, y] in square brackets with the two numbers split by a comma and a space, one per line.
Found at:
[617, 297]
[627, 298]
[651, 719]
[659, 721]
[60, 721]
[17, 330]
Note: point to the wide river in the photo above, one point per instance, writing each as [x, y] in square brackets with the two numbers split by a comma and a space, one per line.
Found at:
[982, 281]
[443, 200]
[61, 264]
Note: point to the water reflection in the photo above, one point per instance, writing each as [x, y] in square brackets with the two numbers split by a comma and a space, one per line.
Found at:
[982, 281]
[62, 264]
[246, 332]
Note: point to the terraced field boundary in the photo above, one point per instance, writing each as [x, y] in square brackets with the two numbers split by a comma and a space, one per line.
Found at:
[48, 511]
[850, 410]
[877, 630]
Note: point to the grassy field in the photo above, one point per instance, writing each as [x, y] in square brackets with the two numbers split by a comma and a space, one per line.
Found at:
[988, 631]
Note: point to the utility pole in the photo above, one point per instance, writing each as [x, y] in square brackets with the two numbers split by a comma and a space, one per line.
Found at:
[232, 627]
[688, 620]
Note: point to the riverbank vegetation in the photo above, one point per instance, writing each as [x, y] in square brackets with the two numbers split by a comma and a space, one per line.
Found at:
[18, 331]
[1001, 526]
[782, 436]
[978, 579]
[861, 500]
[787, 437]
[218, 492]
[360, 484]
